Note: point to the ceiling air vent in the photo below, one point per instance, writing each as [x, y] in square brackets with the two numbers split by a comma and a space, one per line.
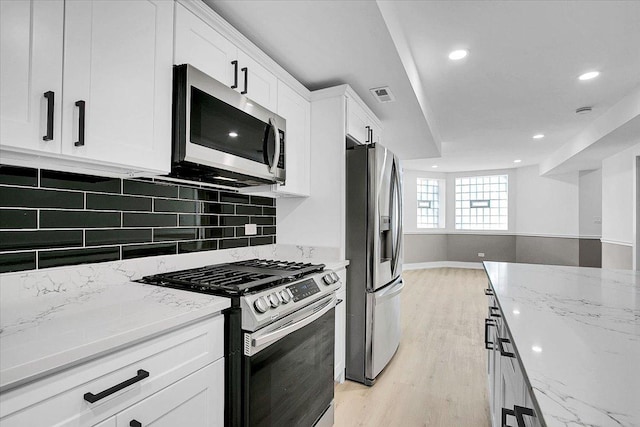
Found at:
[584, 110]
[382, 94]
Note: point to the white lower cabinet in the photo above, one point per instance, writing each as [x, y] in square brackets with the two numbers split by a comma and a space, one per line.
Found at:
[510, 399]
[178, 374]
[197, 400]
[341, 325]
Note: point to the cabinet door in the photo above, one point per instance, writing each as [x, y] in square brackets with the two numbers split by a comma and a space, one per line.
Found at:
[30, 65]
[357, 122]
[198, 44]
[377, 133]
[197, 400]
[262, 85]
[118, 60]
[297, 112]
[109, 422]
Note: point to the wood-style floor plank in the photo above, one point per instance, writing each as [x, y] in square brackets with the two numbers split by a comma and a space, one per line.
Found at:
[438, 376]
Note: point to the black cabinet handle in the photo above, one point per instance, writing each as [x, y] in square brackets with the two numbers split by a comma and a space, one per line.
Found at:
[235, 74]
[504, 352]
[50, 96]
[368, 128]
[492, 314]
[340, 301]
[506, 412]
[81, 106]
[489, 345]
[246, 80]
[92, 398]
[135, 423]
[520, 412]
[488, 292]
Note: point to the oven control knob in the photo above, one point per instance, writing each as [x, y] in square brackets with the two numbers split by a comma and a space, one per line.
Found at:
[336, 278]
[274, 300]
[328, 279]
[285, 297]
[261, 305]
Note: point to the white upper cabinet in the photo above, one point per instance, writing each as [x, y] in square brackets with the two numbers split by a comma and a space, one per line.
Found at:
[257, 82]
[198, 44]
[118, 82]
[361, 124]
[297, 112]
[30, 67]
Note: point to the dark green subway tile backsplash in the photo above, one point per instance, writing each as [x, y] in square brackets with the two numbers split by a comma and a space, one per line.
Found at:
[51, 218]
[18, 218]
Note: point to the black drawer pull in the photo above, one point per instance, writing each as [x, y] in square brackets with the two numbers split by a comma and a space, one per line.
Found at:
[501, 347]
[50, 96]
[488, 292]
[245, 70]
[135, 423]
[93, 398]
[81, 106]
[505, 413]
[521, 411]
[235, 74]
[487, 343]
[492, 314]
[518, 412]
[340, 301]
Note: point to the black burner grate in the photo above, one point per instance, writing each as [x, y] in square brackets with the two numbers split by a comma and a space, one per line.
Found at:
[235, 278]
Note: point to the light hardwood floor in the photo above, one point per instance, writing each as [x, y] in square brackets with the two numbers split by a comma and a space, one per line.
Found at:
[438, 376]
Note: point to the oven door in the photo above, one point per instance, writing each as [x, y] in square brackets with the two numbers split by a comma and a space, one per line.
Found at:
[288, 368]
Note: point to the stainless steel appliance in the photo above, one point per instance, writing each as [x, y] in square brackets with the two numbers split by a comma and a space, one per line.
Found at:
[279, 338]
[374, 250]
[220, 136]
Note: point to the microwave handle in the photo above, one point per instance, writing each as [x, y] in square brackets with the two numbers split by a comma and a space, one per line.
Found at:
[276, 155]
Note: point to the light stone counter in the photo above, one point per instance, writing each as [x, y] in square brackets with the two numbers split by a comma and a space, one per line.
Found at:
[576, 331]
[56, 318]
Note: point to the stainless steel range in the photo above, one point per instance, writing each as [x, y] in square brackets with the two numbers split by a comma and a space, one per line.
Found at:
[279, 338]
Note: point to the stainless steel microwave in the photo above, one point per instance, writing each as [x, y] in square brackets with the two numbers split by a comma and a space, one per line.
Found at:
[221, 136]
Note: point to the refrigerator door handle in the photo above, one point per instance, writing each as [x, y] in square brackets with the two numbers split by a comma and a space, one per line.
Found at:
[390, 292]
[397, 218]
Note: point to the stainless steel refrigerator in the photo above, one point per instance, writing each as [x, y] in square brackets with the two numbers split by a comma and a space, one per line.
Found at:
[374, 251]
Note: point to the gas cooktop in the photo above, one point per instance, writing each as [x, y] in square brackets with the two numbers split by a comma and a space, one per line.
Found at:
[236, 278]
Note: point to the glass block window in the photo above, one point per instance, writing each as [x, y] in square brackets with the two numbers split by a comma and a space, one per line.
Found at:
[430, 214]
[482, 203]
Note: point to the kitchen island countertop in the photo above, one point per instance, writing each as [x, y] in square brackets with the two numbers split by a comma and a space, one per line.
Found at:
[576, 331]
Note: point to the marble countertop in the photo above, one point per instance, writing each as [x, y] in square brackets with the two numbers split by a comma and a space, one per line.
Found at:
[577, 333]
[55, 318]
[51, 332]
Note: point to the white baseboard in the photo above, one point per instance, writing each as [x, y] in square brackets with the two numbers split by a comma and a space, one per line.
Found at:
[441, 264]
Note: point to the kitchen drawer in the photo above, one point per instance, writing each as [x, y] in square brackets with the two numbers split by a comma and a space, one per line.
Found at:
[194, 401]
[58, 399]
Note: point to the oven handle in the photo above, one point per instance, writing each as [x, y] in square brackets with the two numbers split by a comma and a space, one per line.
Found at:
[289, 328]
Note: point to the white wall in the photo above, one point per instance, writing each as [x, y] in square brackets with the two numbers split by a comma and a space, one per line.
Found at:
[319, 219]
[618, 198]
[546, 206]
[590, 203]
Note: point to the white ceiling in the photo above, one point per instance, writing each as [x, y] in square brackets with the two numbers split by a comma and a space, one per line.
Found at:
[519, 79]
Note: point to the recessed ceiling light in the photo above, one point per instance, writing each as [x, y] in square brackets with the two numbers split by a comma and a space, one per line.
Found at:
[517, 161]
[516, 311]
[590, 75]
[458, 54]
[538, 136]
[233, 134]
[434, 166]
[536, 348]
